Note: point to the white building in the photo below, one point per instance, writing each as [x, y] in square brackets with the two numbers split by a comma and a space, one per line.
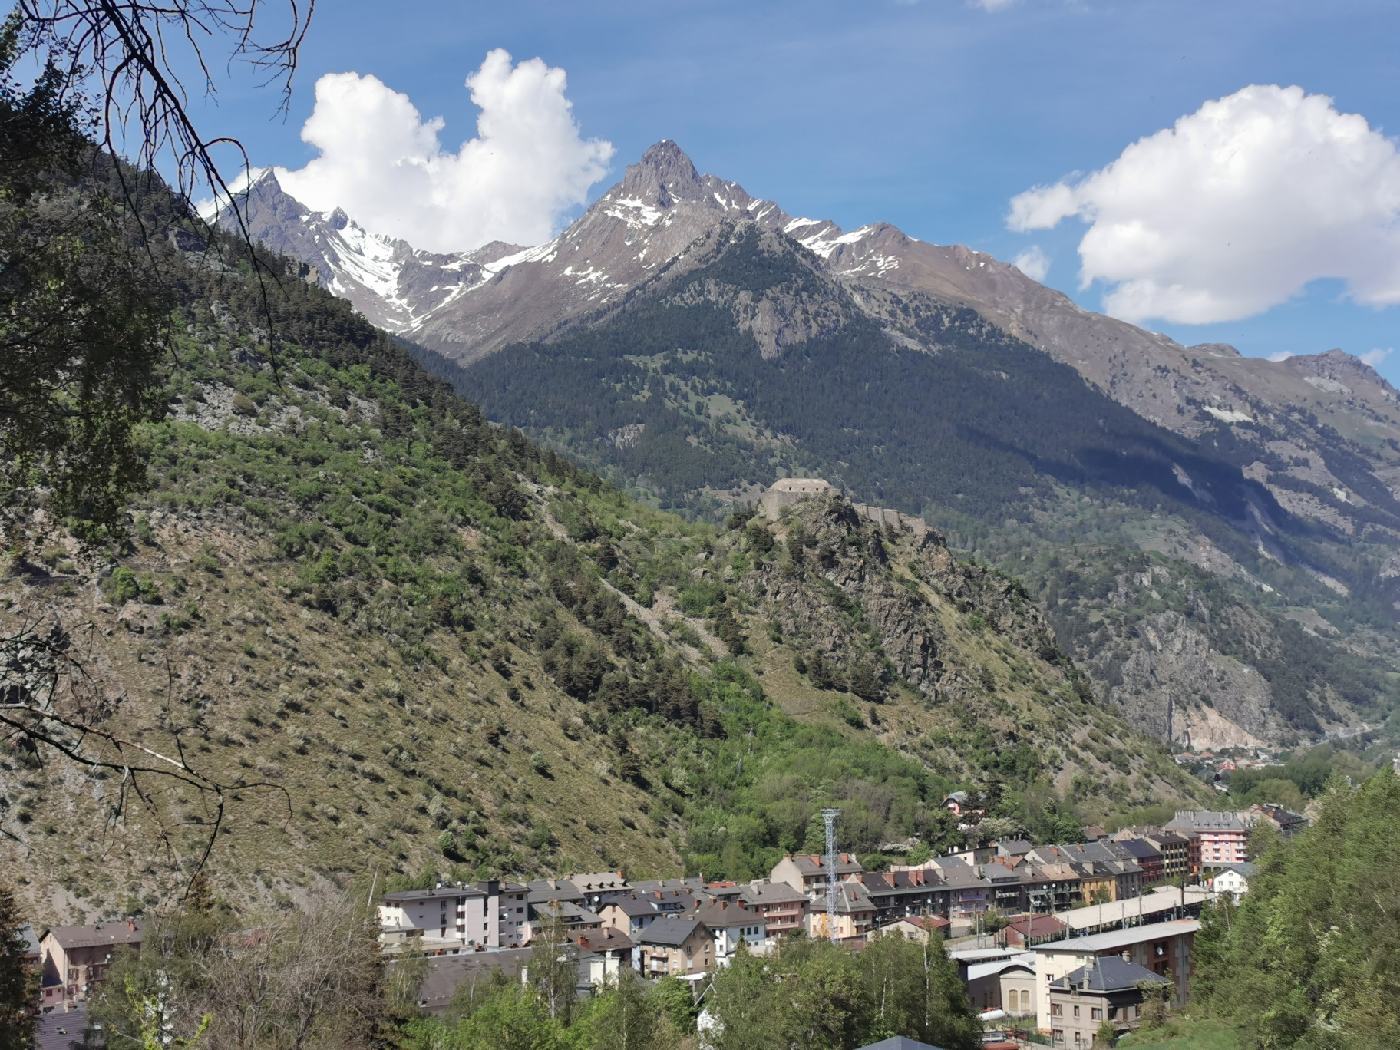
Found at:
[452, 917]
[1233, 880]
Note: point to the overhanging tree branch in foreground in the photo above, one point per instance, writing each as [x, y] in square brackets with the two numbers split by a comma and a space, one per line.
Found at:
[137, 58]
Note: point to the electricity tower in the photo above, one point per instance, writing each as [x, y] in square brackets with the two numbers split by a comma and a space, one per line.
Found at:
[829, 820]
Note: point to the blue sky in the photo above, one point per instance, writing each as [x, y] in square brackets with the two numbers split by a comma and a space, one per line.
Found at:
[932, 115]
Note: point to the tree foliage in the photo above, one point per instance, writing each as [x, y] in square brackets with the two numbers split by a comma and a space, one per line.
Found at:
[812, 994]
[1311, 957]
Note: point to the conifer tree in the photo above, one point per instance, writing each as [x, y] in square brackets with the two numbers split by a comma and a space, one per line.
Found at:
[18, 984]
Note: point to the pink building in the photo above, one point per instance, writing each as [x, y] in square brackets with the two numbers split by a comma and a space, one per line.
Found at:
[1215, 839]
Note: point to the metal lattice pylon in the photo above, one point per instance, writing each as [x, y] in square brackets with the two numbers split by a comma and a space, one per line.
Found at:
[829, 820]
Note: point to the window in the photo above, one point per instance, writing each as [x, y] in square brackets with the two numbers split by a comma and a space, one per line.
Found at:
[1095, 1014]
[1058, 1034]
[1076, 1010]
[1056, 1010]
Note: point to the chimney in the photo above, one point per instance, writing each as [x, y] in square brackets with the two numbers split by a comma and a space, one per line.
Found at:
[131, 925]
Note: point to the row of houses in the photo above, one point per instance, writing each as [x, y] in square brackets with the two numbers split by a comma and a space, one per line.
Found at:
[1006, 877]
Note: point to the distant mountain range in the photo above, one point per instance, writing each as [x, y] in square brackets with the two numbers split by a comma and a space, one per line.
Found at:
[1215, 537]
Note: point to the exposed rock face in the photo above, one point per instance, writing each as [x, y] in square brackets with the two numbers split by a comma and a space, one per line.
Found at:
[834, 543]
[1177, 660]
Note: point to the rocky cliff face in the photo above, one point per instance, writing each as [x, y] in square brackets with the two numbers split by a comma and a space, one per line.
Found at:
[940, 649]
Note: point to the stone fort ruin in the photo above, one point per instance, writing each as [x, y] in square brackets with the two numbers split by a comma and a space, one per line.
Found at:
[786, 492]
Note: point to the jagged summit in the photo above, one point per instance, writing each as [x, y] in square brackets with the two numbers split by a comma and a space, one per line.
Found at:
[663, 174]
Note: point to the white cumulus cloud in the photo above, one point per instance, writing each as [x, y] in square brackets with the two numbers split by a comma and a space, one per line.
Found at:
[1033, 262]
[387, 167]
[1376, 357]
[1235, 209]
[1279, 356]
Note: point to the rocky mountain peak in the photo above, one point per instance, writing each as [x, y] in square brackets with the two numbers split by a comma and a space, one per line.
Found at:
[338, 220]
[664, 174]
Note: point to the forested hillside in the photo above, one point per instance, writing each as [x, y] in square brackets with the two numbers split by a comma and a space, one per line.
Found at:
[409, 641]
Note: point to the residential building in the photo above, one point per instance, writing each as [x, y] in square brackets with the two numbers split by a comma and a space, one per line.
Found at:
[1233, 880]
[1175, 850]
[904, 892]
[1285, 821]
[1013, 849]
[731, 925]
[1007, 883]
[675, 946]
[854, 916]
[453, 916]
[1149, 858]
[75, 959]
[513, 915]
[782, 908]
[1215, 839]
[540, 890]
[1107, 989]
[969, 893]
[602, 955]
[806, 872]
[630, 914]
[1162, 947]
[1051, 886]
[956, 802]
[573, 918]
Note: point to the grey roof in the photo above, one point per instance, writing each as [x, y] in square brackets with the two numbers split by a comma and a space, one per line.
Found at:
[1244, 867]
[60, 1030]
[670, 932]
[814, 864]
[899, 1042]
[442, 889]
[593, 881]
[770, 893]
[1140, 849]
[92, 936]
[958, 874]
[1015, 847]
[443, 975]
[553, 890]
[568, 912]
[1106, 974]
[691, 883]
[631, 905]
[1116, 939]
[852, 896]
[1205, 820]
